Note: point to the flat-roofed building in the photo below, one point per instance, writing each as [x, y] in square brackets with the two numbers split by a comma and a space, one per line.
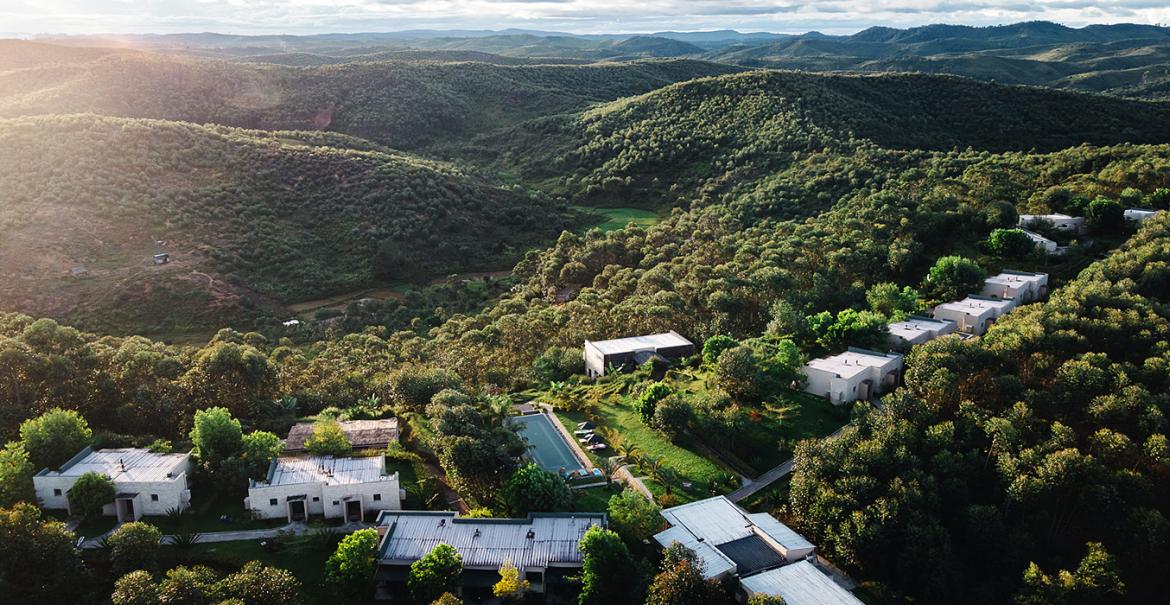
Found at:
[362, 434]
[916, 330]
[730, 541]
[335, 488]
[1060, 222]
[1139, 215]
[543, 546]
[1043, 243]
[857, 374]
[627, 353]
[801, 583]
[145, 483]
[974, 314]
[1020, 286]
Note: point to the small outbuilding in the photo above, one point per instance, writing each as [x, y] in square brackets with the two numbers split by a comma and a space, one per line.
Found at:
[1139, 215]
[162, 259]
[145, 483]
[1047, 245]
[362, 434]
[857, 374]
[628, 353]
[975, 313]
[1060, 222]
[334, 488]
[1018, 286]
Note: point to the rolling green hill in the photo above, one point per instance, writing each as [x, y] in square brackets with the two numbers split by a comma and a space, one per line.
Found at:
[407, 105]
[250, 219]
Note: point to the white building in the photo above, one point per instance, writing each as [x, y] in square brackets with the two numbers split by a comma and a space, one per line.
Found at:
[145, 483]
[1139, 215]
[974, 314]
[917, 330]
[1043, 243]
[730, 541]
[1019, 286]
[543, 546]
[853, 375]
[336, 488]
[1060, 222]
[634, 351]
[801, 583]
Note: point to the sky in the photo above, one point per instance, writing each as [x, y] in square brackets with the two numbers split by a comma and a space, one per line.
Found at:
[576, 16]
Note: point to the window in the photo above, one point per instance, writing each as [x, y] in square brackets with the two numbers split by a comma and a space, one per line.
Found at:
[272, 502]
[154, 497]
[316, 499]
[377, 497]
[56, 492]
[336, 502]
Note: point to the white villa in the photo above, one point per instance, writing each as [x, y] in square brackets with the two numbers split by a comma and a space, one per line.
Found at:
[1061, 222]
[853, 375]
[621, 353]
[1139, 215]
[145, 483]
[1019, 286]
[974, 314]
[917, 330]
[336, 488]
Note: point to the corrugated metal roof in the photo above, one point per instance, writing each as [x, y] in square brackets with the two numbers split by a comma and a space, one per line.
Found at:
[800, 584]
[291, 470]
[639, 343]
[487, 543]
[781, 533]
[126, 465]
[712, 562]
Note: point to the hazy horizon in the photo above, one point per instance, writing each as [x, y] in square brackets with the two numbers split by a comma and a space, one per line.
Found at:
[32, 18]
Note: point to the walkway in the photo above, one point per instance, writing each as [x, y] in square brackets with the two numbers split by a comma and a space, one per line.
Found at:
[624, 475]
[292, 529]
[768, 478]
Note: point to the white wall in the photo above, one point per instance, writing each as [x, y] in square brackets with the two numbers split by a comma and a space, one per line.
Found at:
[172, 493]
[320, 498]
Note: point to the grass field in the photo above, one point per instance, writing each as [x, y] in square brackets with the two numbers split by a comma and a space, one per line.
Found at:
[211, 511]
[617, 218]
[304, 556]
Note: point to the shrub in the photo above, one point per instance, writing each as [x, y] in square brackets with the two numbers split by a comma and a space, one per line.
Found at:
[90, 493]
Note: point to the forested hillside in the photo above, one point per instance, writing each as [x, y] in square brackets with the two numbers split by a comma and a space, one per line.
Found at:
[407, 105]
[249, 219]
[1030, 463]
[726, 132]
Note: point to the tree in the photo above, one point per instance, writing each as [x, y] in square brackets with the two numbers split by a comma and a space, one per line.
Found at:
[953, 277]
[54, 437]
[435, 573]
[328, 439]
[761, 598]
[535, 490]
[415, 385]
[216, 436]
[715, 345]
[511, 585]
[892, 302]
[1104, 215]
[1130, 197]
[188, 586]
[134, 546]
[1159, 199]
[647, 402]
[558, 363]
[16, 471]
[1010, 243]
[90, 493]
[609, 575]
[738, 373]
[350, 569]
[682, 584]
[673, 416]
[447, 599]
[258, 449]
[135, 588]
[850, 328]
[633, 516]
[38, 562]
[259, 584]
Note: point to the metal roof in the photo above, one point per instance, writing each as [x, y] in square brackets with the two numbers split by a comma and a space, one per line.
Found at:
[711, 562]
[801, 583]
[639, 343]
[539, 541]
[326, 470]
[123, 465]
[716, 522]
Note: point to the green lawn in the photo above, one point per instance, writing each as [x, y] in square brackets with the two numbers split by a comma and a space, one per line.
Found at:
[304, 556]
[207, 508]
[617, 218]
[592, 500]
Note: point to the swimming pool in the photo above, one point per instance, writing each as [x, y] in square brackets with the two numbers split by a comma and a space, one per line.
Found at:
[547, 445]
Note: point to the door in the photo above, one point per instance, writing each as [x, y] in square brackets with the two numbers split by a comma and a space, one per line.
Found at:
[125, 510]
[296, 511]
[353, 510]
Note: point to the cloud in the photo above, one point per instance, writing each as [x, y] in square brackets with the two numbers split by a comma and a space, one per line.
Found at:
[581, 16]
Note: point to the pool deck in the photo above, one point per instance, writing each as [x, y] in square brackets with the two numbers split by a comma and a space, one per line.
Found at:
[574, 447]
